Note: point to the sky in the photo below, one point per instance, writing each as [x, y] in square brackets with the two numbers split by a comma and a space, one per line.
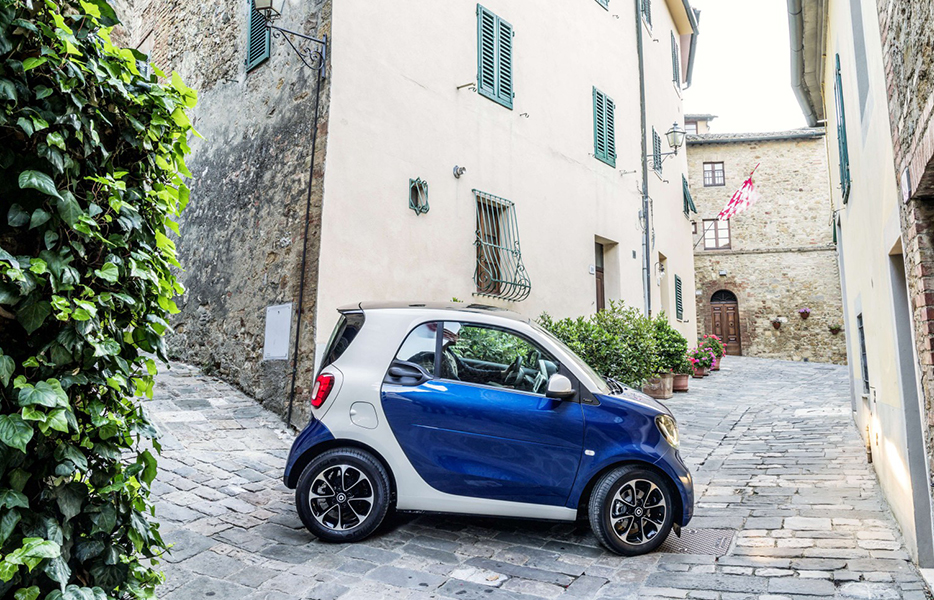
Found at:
[742, 71]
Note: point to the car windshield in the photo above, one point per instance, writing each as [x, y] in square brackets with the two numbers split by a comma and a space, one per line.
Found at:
[601, 383]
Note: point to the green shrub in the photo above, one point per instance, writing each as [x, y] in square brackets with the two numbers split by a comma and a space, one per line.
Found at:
[618, 342]
[90, 163]
[670, 346]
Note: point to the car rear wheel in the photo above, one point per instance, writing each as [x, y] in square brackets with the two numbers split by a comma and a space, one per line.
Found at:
[343, 495]
[631, 510]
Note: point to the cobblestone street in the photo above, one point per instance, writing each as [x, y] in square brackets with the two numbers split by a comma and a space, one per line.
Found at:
[774, 452]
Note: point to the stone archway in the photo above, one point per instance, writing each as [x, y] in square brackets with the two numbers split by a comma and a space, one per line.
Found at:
[725, 320]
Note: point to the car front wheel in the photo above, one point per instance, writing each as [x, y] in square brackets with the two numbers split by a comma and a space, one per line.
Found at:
[631, 510]
[343, 495]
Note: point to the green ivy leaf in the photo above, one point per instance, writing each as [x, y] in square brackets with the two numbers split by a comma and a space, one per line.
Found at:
[8, 523]
[13, 499]
[30, 593]
[45, 393]
[149, 471]
[33, 315]
[17, 216]
[39, 181]
[56, 421]
[69, 209]
[33, 62]
[6, 369]
[108, 272]
[15, 432]
[8, 570]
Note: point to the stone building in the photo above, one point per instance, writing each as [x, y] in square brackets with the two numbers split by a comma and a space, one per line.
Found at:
[766, 264]
[436, 149]
[864, 69]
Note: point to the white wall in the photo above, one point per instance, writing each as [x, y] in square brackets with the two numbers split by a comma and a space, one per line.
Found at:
[396, 114]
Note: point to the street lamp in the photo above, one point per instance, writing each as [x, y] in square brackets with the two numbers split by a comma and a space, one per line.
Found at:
[271, 9]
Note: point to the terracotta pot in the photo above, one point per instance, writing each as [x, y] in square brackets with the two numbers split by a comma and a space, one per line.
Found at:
[776, 324]
[680, 383]
[716, 364]
[699, 372]
[660, 387]
[835, 330]
[706, 371]
[804, 315]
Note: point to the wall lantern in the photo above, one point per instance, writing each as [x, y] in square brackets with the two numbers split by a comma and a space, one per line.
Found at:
[271, 8]
[418, 196]
[675, 137]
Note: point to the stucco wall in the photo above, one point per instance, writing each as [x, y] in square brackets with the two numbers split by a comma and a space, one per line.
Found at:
[242, 233]
[782, 256]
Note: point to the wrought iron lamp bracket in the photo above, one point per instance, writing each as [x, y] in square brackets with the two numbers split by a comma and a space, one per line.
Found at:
[311, 50]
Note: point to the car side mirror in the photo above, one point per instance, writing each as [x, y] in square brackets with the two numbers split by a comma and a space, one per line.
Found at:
[559, 387]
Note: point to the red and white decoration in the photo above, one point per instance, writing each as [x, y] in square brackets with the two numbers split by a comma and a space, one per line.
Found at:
[742, 199]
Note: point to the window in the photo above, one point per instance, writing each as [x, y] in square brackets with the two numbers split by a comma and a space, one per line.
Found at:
[713, 174]
[676, 61]
[679, 299]
[716, 234]
[690, 127]
[499, 270]
[688, 200]
[419, 347]
[258, 43]
[841, 135]
[656, 151]
[344, 333]
[604, 128]
[494, 58]
[862, 352]
[494, 357]
[647, 11]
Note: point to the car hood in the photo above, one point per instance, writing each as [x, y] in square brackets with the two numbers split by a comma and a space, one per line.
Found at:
[634, 396]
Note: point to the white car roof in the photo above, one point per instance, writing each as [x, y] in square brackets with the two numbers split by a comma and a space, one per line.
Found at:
[461, 307]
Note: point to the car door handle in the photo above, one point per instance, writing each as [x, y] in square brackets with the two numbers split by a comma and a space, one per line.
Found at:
[402, 373]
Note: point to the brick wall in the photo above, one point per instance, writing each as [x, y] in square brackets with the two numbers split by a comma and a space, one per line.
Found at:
[782, 256]
[242, 234]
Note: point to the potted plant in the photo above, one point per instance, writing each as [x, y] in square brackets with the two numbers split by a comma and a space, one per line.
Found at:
[804, 312]
[701, 358]
[682, 375]
[776, 322]
[670, 347]
[835, 328]
[716, 344]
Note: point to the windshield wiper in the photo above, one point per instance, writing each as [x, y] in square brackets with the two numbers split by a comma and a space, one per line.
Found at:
[616, 387]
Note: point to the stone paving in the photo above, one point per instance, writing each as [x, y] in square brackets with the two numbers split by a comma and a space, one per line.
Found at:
[775, 454]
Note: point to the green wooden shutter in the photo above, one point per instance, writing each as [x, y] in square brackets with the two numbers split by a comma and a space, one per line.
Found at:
[656, 151]
[604, 128]
[258, 42]
[841, 135]
[604, 3]
[675, 61]
[679, 299]
[494, 58]
[647, 11]
[688, 200]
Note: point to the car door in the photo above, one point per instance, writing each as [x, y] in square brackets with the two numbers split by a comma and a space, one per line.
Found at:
[471, 426]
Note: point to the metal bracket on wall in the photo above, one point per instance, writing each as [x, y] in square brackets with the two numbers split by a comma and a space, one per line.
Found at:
[311, 50]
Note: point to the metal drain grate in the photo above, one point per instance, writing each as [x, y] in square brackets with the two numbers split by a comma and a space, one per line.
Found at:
[712, 542]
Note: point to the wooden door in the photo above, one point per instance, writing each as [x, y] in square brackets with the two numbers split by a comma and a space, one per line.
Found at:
[726, 326]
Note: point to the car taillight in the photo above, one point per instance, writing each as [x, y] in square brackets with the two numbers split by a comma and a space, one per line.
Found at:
[323, 386]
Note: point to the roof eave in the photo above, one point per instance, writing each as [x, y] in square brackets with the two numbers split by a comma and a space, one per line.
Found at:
[808, 94]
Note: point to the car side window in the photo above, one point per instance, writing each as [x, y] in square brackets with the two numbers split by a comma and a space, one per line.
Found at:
[419, 347]
[494, 357]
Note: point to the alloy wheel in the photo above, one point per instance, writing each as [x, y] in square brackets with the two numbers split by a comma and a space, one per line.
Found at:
[637, 512]
[341, 497]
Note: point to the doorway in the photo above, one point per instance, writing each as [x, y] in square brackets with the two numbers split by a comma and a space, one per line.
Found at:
[598, 271]
[725, 319]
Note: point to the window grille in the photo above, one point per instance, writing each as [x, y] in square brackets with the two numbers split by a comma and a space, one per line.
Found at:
[499, 271]
[864, 363]
[418, 196]
[841, 135]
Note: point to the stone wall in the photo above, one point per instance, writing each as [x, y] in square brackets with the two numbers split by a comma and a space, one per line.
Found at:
[782, 256]
[243, 231]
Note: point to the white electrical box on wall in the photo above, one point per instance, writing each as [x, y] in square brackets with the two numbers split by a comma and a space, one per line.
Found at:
[278, 332]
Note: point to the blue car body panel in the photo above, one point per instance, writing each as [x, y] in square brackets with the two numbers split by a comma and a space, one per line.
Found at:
[623, 430]
[314, 433]
[485, 442]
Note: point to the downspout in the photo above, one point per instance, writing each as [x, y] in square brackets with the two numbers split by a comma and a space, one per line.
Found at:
[798, 84]
[644, 217]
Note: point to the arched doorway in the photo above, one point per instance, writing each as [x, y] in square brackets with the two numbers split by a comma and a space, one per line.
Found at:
[725, 320]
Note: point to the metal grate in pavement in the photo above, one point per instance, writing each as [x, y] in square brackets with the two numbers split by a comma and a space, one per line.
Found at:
[712, 542]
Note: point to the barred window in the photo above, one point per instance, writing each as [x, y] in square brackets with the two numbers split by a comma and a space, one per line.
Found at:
[499, 271]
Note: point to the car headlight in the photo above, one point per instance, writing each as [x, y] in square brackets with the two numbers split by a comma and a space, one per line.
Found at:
[668, 427]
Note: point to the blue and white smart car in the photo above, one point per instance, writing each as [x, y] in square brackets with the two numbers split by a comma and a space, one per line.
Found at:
[468, 409]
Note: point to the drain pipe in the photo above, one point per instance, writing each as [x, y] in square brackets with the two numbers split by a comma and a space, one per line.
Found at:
[646, 247]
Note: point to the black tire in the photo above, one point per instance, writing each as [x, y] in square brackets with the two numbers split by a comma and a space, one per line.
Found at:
[332, 495]
[636, 526]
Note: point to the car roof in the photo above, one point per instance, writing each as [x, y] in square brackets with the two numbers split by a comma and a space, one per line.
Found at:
[449, 306]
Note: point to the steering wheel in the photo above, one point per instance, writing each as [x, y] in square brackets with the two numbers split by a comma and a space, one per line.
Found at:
[513, 373]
